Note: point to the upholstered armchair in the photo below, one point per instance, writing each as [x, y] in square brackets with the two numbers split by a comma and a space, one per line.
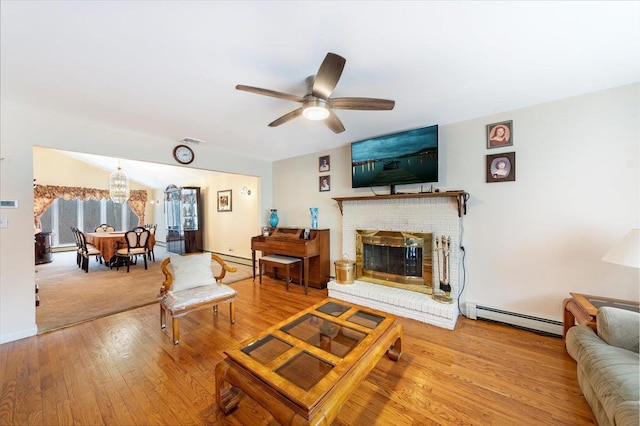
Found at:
[189, 285]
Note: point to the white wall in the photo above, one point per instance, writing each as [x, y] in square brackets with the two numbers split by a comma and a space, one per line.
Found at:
[529, 242]
[24, 128]
[230, 232]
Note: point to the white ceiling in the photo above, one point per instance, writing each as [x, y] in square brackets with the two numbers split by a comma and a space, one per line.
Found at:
[169, 68]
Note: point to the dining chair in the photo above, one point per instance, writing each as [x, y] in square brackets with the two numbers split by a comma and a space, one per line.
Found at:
[87, 250]
[74, 231]
[136, 240]
[152, 231]
[104, 228]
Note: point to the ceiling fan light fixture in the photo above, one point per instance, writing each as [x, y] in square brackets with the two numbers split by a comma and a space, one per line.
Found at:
[317, 103]
[316, 110]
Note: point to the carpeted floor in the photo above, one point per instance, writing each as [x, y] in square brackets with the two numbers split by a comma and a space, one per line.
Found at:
[69, 296]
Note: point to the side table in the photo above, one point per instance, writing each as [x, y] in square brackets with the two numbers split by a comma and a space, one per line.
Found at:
[583, 309]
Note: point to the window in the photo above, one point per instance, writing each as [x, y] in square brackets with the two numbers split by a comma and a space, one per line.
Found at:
[86, 215]
[67, 217]
[91, 215]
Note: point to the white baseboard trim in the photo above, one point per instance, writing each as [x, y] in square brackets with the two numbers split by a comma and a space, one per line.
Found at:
[516, 319]
[23, 334]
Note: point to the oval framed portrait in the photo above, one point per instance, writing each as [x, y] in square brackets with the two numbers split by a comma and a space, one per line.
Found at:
[500, 134]
[501, 167]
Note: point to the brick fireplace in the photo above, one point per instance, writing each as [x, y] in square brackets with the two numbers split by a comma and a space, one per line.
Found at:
[438, 214]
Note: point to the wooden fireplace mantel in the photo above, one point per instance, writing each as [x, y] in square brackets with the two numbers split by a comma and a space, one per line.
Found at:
[460, 196]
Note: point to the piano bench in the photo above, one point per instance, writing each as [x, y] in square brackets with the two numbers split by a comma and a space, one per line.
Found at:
[278, 261]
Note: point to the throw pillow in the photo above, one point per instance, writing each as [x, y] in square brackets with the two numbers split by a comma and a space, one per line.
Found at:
[190, 271]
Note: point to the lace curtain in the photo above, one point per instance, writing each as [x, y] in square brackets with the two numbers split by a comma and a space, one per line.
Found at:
[45, 195]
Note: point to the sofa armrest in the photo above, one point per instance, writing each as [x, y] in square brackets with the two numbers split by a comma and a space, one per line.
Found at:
[619, 327]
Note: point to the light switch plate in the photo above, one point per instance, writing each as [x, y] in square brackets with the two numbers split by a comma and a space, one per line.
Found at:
[4, 223]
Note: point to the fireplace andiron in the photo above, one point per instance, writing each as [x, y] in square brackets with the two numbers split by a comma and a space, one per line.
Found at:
[443, 248]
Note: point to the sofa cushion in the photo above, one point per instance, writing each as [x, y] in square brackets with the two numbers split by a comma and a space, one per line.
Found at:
[190, 271]
[619, 327]
[176, 301]
[612, 372]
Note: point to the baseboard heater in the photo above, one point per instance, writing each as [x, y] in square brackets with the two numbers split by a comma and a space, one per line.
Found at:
[236, 259]
[516, 319]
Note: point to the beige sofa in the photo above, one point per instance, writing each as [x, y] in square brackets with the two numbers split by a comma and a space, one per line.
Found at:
[609, 366]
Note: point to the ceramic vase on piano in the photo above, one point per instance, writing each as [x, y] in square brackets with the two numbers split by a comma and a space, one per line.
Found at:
[273, 218]
[314, 217]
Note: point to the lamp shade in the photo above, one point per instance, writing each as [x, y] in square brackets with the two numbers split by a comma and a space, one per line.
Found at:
[627, 251]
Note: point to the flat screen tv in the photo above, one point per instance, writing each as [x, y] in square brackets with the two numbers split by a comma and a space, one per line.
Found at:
[396, 159]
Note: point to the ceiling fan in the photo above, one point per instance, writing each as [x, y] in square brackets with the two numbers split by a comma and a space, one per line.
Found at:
[317, 104]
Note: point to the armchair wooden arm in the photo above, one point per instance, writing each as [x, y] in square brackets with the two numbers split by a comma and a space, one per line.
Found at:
[166, 284]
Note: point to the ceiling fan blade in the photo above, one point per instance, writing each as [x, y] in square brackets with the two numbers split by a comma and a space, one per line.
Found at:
[370, 104]
[328, 76]
[271, 93]
[334, 123]
[287, 117]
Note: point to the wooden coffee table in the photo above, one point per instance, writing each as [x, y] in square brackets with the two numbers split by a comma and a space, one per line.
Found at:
[303, 369]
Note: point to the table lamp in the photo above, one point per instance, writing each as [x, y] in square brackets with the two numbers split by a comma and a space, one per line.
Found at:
[627, 251]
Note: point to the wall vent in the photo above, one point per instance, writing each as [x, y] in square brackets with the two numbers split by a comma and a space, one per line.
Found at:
[192, 141]
[520, 320]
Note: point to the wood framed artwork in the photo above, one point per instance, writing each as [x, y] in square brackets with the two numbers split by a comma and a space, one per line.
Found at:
[500, 134]
[324, 163]
[224, 200]
[325, 183]
[501, 167]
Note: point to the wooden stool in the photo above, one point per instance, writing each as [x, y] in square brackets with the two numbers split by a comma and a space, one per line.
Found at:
[278, 261]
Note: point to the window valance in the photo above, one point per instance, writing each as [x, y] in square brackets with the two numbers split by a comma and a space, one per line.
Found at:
[45, 195]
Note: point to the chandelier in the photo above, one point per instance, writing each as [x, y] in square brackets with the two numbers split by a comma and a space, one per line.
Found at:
[119, 186]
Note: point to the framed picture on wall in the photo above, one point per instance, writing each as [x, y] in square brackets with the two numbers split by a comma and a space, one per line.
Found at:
[324, 163]
[500, 134]
[501, 167]
[224, 200]
[325, 183]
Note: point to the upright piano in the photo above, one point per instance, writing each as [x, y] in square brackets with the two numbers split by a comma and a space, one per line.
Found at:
[313, 251]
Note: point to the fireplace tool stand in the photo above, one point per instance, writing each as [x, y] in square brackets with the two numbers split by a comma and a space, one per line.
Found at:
[443, 249]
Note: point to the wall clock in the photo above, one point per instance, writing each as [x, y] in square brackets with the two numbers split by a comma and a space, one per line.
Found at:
[183, 154]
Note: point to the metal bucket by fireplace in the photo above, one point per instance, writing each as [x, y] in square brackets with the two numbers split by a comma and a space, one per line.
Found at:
[345, 270]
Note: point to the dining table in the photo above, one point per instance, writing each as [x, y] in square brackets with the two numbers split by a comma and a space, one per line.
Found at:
[108, 243]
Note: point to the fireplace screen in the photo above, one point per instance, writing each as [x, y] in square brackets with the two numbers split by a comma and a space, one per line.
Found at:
[403, 261]
[390, 258]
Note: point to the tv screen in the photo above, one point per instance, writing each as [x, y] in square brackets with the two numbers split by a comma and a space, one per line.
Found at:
[396, 159]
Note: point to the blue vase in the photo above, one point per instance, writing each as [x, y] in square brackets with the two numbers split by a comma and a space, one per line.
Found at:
[273, 218]
[314, 217]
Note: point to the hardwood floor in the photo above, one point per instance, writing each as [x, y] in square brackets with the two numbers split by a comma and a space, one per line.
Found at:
[124, 370]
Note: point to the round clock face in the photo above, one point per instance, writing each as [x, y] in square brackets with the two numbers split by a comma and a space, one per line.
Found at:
[183, 154]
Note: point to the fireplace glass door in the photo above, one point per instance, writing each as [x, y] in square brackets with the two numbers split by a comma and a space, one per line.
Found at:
[403, 261]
